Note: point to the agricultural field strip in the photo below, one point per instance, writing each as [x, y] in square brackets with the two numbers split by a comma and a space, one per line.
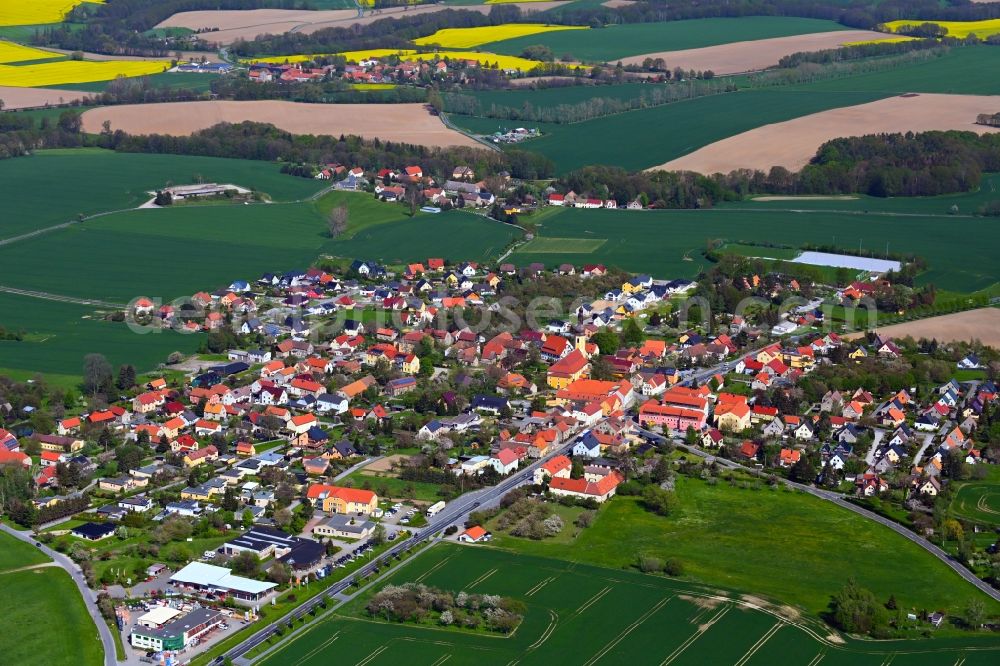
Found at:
[34, 12]
[458, 560]
[463, 38]
[75, 71]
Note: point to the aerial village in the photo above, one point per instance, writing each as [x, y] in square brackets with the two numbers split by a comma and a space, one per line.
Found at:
[338, 411]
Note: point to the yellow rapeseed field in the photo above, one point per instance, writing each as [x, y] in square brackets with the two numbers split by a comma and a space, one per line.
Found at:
[11, 52]
[959, 29]
[33, 12]
[887, 40]
[464, 38]
[502, 61]
[75, 71]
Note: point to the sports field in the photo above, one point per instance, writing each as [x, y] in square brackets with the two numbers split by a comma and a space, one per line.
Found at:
[669, 243]
[579, 614]
[620, 41]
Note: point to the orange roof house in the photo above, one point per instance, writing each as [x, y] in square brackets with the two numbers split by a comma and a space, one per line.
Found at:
[339, 499]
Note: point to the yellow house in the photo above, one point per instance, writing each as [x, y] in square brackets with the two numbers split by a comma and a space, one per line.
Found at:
[629, 288]
[410, 365]
[732, 417]
[338, 499]
[201, 493]
[568, 369]
[858, 354]
[202, 455]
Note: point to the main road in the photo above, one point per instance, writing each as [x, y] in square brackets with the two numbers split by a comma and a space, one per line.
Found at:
[454, 512]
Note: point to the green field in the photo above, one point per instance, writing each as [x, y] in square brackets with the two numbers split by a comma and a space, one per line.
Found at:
[677, 129]
[15, 553]
[979, 501]
[621, 41]
[199, 82]
[764, 542]
[580, 614]
[55, 186]
[37, 603]
[669, 243]
[551, 97]
[61, 334]
[543, 245]
[959, 71]
[651, 136]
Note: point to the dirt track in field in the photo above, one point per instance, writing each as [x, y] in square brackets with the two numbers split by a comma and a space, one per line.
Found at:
[27, 98]
[407, 123]
[755, 55]
[248, 24]
[982, 325]
[793, 143]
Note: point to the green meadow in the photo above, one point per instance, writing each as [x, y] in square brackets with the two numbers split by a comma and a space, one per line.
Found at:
[670, 243]
[621, 41]
[56, 186]
[39, 602]
[764, 542]
[583, 614]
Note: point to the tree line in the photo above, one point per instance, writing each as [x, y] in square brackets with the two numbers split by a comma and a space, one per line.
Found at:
[884, 165]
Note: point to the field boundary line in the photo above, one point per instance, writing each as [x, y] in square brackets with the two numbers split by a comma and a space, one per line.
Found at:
[547, 633]
[760, 643]
[30, 293]
[442, 659]
[321, 646]
[593, 600]
[818, 658]
[701, 631]
[434, 568]
[372, 655]
[628, 630]
[482, 578]
[539, 586]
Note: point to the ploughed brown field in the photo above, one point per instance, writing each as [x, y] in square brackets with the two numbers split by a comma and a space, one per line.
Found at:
[233, 24]
[27, 98]
[793, 143]
[406, 123]
[755, 55]
[982, 325]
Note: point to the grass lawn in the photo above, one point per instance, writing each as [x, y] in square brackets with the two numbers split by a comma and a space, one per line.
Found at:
[424, 492]
[784, 545]
[621, 41]
[669, 243]
[15, 553]
[88, 181]
[979, 501]
[175, 81]
[48, 593]
[582, 614]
